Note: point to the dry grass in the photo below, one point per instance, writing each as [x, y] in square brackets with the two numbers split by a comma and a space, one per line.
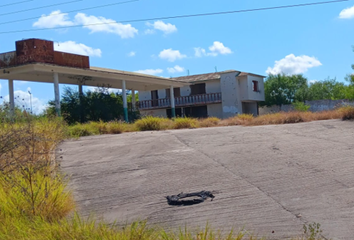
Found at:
[180, 123]
[157, 123]
[347, 113]
[153, 124]
[96, 128]
[209, 122]
[30, 183]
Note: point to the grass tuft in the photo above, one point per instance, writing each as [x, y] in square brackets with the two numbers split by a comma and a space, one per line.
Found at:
[180, 123]
[153, 124]
[209, 122]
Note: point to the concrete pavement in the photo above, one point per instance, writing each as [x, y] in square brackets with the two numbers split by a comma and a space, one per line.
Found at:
[269, 179]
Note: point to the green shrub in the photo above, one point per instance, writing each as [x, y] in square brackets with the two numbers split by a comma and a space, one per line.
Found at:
[300, 106]
[180, 123]
[81, 130]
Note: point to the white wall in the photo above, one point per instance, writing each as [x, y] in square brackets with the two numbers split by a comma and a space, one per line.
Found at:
[256, 96]
[144, 95]
[162, 93]
[215, 110]
[185, 91]
[246, 90]
[213, 86]
[231, 104]
[154, 113]
[243, 83]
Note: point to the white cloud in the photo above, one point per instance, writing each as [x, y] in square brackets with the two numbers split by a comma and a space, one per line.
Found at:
[219, 48]
[171, 55]
[150, 71]
[347, 13]
[200, 52]
[131, 54]
[95, 24]
[77, 48]
[149, 31]
[216, 49]
[167, 28]
[175, 69]
[54, 19]
[23, 101]
[123, 30]
[294, 65]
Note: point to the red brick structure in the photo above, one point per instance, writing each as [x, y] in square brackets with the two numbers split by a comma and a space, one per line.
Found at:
[41, 51]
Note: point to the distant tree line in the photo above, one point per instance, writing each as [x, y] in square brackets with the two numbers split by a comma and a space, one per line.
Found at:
[284, 89]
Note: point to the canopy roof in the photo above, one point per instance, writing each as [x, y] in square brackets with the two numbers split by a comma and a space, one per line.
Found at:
[93, 76]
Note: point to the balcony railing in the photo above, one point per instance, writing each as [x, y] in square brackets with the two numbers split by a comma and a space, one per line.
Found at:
[181, 101]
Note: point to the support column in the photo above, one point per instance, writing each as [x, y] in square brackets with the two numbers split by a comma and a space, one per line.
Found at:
[133, 100]
[80, 89]
[56, 93]
[11, 97]
[125, 103]
[173, 105]
[82, 118]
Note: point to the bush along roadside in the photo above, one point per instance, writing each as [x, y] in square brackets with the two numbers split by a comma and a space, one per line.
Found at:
[157, 123]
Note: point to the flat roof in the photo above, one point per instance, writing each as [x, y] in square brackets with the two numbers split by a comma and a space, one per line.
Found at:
[93, 76]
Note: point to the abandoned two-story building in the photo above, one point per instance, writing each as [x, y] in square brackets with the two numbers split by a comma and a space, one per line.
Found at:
[220, 94]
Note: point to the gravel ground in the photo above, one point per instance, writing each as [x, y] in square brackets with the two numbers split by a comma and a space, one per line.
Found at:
[268, 179]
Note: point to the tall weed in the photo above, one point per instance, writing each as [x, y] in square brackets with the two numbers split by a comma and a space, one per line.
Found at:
[180, 123]
[153, 123]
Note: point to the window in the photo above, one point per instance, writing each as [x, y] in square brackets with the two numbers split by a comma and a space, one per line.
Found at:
[154, 98]
[198, 89]
[255, 86]
[176, 92]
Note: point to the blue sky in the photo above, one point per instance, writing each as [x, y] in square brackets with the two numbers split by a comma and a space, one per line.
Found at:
[316, 40]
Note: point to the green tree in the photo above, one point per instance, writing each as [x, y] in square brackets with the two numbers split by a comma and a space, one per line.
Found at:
[90, 106]
[349, 93]
[283, 89]
[327, 89]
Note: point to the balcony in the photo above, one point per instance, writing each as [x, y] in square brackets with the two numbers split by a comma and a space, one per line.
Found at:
[186, 101]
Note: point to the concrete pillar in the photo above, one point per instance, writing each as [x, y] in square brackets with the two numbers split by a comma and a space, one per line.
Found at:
[80, 89]
[173, 105]
[11, 97]
[125, 103]
[133, 100]
[56, 93]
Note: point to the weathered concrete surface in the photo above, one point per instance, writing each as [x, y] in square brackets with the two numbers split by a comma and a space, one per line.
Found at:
[268, 178]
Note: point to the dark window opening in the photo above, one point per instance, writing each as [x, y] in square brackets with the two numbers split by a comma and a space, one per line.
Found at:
[178, 112]
[193, 112]
[176, 92]
[255, 86]
[154, 98]
[198, 89]
[196, 112]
